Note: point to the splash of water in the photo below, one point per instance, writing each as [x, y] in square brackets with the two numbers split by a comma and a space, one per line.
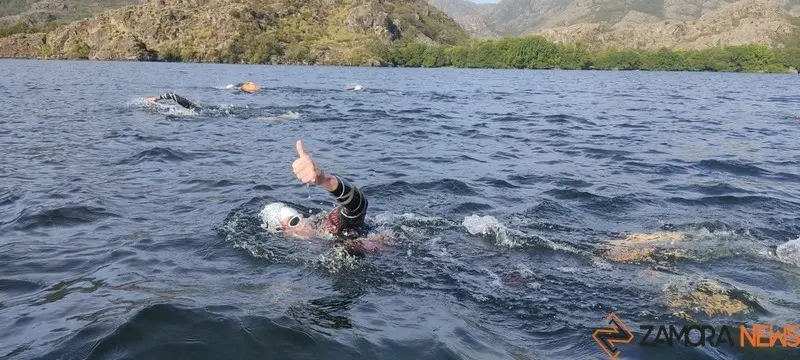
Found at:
[490, 226]
[354, 87]
[289, 115]
[710, 244]
[503, 236]
[337, 260]
[789, 252]
[163, 108]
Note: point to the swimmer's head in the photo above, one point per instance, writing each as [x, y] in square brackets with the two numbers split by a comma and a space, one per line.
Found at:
[250, 87]
[281, 217]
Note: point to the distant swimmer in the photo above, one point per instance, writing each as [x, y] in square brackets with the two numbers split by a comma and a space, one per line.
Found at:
[248, 87]
[345, 223]
[177, 98]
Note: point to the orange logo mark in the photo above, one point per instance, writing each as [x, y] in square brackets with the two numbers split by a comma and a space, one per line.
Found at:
[607, 338]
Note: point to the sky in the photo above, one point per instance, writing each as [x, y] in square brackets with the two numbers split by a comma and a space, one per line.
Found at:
[485, 1]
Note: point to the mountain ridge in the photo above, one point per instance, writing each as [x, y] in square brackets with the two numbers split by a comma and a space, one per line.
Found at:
[520, 17]
[38, 12]
[740, 23]
[256, 31]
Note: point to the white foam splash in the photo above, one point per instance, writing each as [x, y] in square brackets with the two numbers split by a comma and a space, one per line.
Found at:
[567, 269]
[228, 107]
[527, 275]
[354, 87]
[410, 224]
[440, 252]
[600, 263]
[524, 271]
[337, 259]
[289, 115]
[225, 87]
[534, 285]
[789, 252]
[496, 281]
[234, 236]
[389, 218]
[708, 244]
[490, 226]
[168, 108]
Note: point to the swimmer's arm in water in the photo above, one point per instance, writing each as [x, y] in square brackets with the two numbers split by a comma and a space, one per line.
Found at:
[372, 243]
[177, 98]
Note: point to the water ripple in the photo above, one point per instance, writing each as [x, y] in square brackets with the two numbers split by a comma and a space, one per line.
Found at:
[60, 217]
[132, 230]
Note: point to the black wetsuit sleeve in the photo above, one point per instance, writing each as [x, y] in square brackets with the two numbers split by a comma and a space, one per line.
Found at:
[352, 205]
[178, 99]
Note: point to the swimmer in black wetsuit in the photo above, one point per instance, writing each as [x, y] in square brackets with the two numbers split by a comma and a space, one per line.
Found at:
[248, 87]
[177, 98]
[345, 223]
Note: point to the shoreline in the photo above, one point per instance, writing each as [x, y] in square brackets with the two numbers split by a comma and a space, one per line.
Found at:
[790, 71]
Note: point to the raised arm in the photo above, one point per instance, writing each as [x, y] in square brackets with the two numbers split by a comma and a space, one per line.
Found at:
[352, 202]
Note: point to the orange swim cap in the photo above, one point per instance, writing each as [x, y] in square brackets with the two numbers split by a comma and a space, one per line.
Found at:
[250, 87]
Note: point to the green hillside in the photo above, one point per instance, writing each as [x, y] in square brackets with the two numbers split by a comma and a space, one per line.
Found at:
[350, 32]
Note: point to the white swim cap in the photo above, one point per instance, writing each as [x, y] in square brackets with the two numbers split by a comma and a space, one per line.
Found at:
[272, 214]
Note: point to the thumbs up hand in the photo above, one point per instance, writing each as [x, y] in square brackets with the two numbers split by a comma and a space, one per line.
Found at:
[308, 172]
[304, 167]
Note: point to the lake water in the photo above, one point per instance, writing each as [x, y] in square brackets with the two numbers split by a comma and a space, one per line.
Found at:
[132, 230]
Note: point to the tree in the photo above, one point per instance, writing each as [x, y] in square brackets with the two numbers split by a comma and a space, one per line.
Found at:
[663, 60]
[433, 57]
[613, 59]
[749, 57]
[789, 57]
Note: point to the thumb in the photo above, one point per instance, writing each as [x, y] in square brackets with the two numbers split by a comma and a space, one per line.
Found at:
[300, 150]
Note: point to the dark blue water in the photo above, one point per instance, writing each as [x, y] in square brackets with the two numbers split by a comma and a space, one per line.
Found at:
[130, 230]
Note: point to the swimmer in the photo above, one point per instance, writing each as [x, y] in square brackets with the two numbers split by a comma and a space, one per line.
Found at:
[175, 97]
[248, 87]
[345, 223]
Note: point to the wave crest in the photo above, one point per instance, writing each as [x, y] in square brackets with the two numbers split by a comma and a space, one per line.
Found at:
[789, 252]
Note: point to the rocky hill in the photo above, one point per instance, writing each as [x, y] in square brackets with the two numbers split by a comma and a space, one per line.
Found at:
[38, 12]
[741, 23]
[518, 17]
[513, 17]
[468, 15]
[257, 31]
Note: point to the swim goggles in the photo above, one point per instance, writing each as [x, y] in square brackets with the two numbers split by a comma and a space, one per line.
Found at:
[294, 221]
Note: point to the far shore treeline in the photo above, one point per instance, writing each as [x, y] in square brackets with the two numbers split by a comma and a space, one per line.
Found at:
[538, 53]
[532, 52]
